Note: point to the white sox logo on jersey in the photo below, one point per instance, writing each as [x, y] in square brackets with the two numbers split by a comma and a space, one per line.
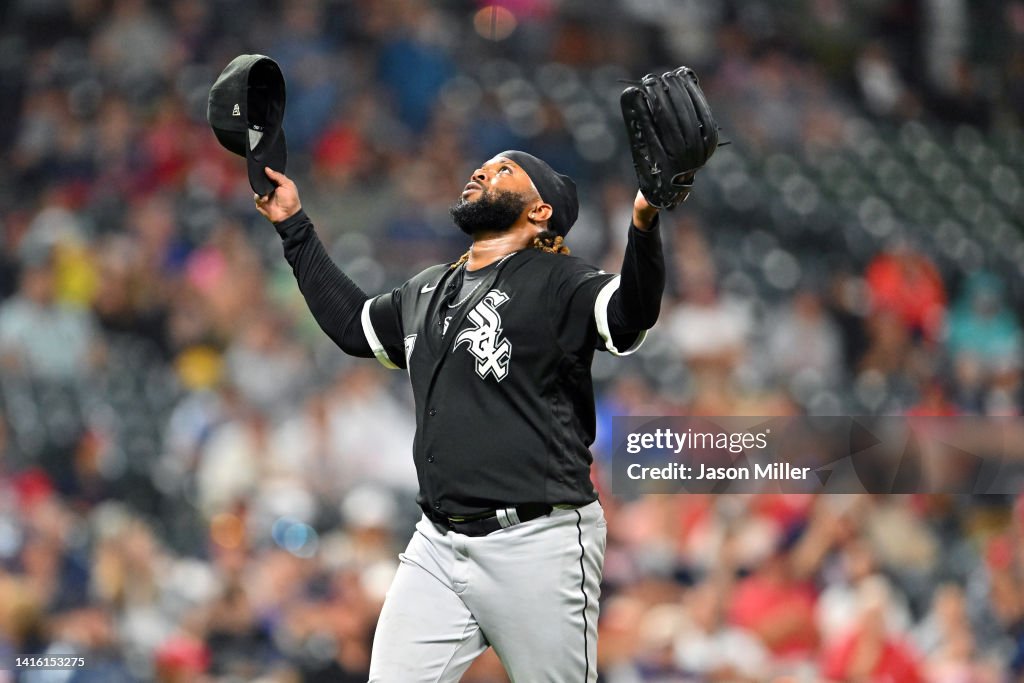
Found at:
[484, 339]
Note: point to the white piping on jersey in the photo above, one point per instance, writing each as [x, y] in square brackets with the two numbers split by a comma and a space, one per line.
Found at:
[373, 340]
[601, 318]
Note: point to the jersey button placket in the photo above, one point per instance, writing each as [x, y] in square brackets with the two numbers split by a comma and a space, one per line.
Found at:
[432, 412]
[430, 458]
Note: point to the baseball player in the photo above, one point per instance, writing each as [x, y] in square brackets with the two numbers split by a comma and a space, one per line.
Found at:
[498, 348]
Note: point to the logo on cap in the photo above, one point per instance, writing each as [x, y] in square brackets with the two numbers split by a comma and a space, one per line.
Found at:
[236, 111]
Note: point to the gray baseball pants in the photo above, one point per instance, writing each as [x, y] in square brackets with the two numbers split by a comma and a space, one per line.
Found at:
[530, 591]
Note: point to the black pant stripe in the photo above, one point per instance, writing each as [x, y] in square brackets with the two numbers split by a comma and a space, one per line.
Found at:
[586, 600]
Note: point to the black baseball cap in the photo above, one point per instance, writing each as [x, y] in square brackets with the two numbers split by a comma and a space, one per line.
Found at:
[246, 110]
[554, 188]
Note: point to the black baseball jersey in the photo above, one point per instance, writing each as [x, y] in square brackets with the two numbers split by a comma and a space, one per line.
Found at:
[500, 372]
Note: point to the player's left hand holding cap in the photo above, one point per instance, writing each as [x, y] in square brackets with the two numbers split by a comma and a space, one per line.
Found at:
[246, 111]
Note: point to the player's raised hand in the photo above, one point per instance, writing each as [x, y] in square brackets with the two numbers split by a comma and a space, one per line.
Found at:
[643, 212]
[283, 202]
[671, 131]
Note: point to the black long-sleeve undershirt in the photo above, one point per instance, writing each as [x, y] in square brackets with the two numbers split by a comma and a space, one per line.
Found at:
[636, 304]
[336, 302]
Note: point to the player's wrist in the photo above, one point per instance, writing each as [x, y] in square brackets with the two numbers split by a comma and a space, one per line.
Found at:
[644, 218]
[299, 216]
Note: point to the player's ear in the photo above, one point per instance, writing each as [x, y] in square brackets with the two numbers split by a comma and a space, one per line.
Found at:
[539, 212]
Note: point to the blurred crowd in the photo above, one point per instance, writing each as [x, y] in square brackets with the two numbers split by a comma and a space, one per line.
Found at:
[195, 484]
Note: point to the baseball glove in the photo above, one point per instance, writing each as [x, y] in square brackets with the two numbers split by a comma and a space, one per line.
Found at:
[672, 134]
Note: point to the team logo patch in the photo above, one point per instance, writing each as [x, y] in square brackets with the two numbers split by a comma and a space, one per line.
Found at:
[484, 340]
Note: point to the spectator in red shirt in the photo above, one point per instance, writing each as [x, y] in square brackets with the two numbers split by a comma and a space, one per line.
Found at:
[869, 653]
[778, 607]
[904, 282]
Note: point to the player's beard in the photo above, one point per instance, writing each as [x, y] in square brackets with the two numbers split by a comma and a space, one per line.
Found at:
[493, 211]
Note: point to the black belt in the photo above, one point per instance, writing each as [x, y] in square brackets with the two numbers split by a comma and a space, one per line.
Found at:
[493, 520]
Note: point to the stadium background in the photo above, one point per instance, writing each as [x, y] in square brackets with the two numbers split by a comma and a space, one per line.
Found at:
[195, 485]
